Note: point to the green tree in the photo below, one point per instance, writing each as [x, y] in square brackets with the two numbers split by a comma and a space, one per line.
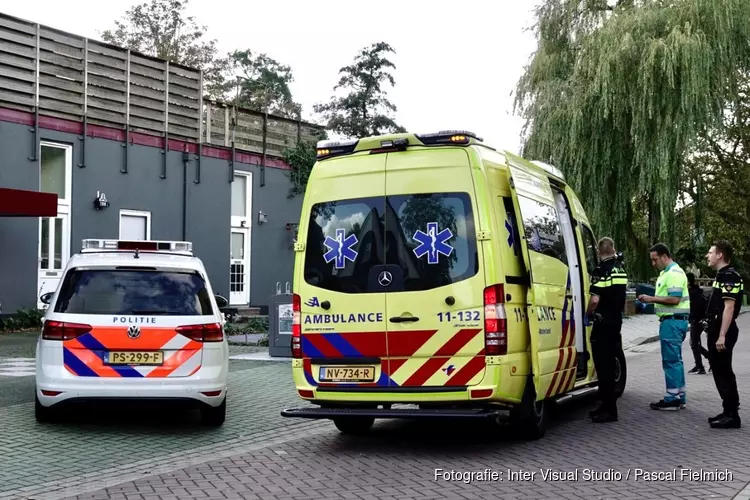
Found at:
[263, 84]
[301, 158]
[616, 95]
[160, 28]
[365, 110]
[715, 183]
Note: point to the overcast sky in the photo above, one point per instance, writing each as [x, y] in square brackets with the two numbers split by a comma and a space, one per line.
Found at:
[456, 63]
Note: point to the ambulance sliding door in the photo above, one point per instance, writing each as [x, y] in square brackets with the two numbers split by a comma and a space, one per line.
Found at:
[549, 303]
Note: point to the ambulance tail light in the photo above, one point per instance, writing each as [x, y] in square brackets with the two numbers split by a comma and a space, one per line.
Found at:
[211, 332]
[296, 327]
[58, 330]
[495, 322]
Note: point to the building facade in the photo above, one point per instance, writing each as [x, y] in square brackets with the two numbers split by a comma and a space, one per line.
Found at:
[132, 150]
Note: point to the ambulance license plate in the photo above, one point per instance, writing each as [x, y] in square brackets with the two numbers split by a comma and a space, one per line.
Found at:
[347, 373]
[134, 358]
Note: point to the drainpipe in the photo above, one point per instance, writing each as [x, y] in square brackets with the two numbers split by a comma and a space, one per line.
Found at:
[185, 162]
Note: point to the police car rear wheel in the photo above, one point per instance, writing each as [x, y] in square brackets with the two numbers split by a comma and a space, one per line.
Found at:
[43, 414]
[355, 426]
[214, 416]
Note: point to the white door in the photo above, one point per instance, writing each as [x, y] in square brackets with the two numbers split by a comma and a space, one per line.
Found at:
[53, 253]
[55, 176]
[239, 251]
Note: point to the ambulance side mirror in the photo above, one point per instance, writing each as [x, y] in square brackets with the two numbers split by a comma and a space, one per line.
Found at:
[46, 298]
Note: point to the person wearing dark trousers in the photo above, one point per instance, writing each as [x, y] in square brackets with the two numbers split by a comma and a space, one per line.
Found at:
[698, 304]
[722, 331]
[608, 288]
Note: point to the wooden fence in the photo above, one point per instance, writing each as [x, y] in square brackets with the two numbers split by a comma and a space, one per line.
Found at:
[74, 78]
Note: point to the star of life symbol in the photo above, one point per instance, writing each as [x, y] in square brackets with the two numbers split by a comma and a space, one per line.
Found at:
[432, 243]
[340, 248]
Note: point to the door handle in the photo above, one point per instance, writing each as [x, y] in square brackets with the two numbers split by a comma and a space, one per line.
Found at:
[403, 319]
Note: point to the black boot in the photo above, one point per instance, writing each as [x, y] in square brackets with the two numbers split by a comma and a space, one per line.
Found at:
[727, 421]
[717, 417]
[605, 416]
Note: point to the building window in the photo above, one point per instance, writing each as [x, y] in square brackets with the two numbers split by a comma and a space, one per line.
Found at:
[239, 196]
[135, 225]
[55, 174]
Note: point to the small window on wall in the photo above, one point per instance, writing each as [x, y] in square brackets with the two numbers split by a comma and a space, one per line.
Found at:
[135, 225]
[542, 228]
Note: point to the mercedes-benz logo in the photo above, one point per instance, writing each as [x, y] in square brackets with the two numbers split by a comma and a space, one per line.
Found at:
[134, 332]
[385, 278]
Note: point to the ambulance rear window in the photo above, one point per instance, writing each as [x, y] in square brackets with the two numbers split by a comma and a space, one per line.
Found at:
[422, 241]
[122, 292]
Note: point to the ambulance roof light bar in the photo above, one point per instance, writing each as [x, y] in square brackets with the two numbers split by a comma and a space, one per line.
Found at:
[449, 137]
[325, 149]
[550, 169]
[98, 245]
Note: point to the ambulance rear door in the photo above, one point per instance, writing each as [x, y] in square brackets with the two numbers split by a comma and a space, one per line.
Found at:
[435, 286]
[342, 306]
[549, 301]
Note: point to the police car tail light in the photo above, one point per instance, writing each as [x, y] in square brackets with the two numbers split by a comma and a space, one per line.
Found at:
[296, 327]
[495, 324]
[211, 332]
[59, 330]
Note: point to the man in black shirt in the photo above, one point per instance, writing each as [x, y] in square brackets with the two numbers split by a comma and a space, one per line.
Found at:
[698, 303]
[722, 332]
[608, 285]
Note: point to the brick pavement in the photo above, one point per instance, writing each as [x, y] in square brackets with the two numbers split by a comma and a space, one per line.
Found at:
[112, 448]
[399, 459]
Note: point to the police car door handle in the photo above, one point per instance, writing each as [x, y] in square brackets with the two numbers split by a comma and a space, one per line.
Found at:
[403, 319]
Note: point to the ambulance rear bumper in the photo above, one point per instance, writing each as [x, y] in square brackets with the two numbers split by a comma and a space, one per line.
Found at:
[396, 413]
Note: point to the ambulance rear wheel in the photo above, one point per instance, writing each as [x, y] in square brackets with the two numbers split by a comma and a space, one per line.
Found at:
[531, 416]
[354, 426]
[621, 373]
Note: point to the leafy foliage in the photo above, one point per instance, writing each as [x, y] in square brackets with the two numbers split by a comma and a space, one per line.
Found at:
[159, 28]
[24, 319]
[365, 109]
[716, 181]
[616, 95]
[301, 159]
[263, 84]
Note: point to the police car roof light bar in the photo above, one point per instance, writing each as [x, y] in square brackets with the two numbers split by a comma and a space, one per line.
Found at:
[139, 245]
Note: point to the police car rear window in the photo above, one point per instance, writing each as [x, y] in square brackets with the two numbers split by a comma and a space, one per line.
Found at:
[423, 241]
[115, 291]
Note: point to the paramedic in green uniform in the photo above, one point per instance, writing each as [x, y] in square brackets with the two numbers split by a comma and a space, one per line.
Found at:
[672, 306]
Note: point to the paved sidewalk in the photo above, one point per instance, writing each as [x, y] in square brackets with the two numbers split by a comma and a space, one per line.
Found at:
[632, 457]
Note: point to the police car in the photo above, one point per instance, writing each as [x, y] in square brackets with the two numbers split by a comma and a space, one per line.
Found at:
[133, 320]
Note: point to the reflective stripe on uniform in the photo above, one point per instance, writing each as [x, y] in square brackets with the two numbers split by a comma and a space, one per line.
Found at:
[672, 282]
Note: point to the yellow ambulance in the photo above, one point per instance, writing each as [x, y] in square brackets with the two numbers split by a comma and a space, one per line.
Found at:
[436, 276]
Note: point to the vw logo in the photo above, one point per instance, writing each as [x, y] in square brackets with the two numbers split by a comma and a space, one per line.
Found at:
[385, 278]
[134, 332]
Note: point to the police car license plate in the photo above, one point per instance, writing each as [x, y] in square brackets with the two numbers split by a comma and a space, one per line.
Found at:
[134, 358]
[347, 373]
